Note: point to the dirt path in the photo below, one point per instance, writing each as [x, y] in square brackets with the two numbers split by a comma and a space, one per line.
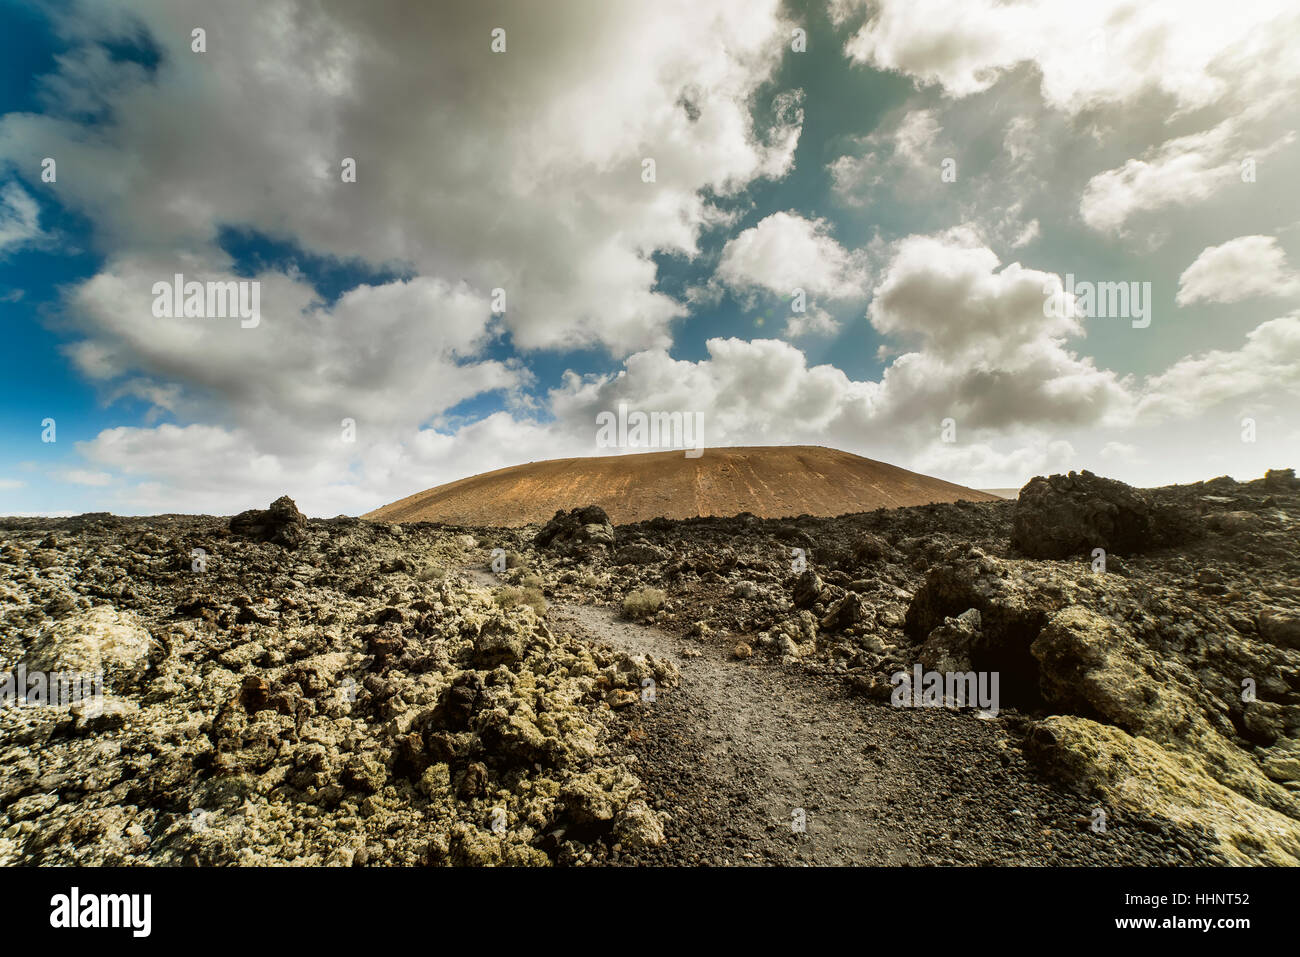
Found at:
[764, 750]
[740, 747]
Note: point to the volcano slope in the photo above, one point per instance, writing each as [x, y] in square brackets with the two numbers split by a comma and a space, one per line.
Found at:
[767, 481]
[696, 691]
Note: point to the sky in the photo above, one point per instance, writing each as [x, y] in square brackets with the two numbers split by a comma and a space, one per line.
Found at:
[473, 228]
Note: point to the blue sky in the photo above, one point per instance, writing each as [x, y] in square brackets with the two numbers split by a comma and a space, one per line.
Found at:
[926, 178]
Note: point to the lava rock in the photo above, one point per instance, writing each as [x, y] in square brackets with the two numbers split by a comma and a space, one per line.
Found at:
[1072, 514]
[281, 524]
[578, 526]
[1281, 479]
[845, 613]
[639, 553]
[1280, 628]
[102, 641]
[948, 646]
[808, 589]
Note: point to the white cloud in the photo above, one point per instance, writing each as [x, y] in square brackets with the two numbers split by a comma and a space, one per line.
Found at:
[1238, 269]
[785, 251]
[896, 150]
[19, 222]
[1264, 369]
[1179, 172]
[83, 477]
[520, 170]
[392, 356]
[980, 465]
[1108, 51]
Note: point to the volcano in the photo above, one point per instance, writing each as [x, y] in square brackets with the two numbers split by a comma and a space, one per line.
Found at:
[767, 481]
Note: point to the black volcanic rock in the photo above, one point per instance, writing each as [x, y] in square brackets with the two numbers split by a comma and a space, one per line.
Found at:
[1281, 479]
[281, 524]
[808, 589]
[588, 525]
[1072, 514]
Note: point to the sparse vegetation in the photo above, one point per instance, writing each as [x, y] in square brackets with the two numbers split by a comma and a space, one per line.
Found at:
[643, 602]
[512, 596]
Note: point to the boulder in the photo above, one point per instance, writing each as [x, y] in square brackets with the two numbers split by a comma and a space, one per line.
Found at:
[808, 589]
[845, 613]
[637, 826]
[1137, 776]
[1280, 627]
[870, 549]
[1012, 612]
[948, 646]
[639, 553]
[1072, 514]
[1281, 479]
[281, 524]
[1091, 665]
[588, 525]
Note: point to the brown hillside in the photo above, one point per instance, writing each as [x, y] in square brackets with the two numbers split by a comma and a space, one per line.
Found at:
[769, 481]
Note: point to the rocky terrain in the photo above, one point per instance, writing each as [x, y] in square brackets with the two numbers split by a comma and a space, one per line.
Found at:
[710, 690]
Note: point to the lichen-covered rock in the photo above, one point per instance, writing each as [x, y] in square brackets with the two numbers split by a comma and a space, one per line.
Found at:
[300, 712]
[101, 641]
[638, 826]
[1280, 627]
[1138, 776]
[948, 646]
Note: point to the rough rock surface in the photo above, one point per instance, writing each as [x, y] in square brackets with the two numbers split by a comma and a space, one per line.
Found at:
[588, 525]
[1063, 515]
[377, 695]
[281, 524]
[299, 706]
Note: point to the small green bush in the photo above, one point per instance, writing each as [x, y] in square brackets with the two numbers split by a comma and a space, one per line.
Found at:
[511, 597]
[643, 602]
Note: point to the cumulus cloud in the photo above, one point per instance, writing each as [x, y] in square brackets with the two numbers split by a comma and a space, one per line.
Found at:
[524, 171]
[390, 356]
[1179, 172]
[502, 170]
[1106, 52]
[785, 254]
[750, 393]
[981, 465]
[1265, 368]
[1238, 269]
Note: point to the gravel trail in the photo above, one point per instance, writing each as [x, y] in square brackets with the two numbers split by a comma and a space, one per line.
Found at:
[740, 748]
